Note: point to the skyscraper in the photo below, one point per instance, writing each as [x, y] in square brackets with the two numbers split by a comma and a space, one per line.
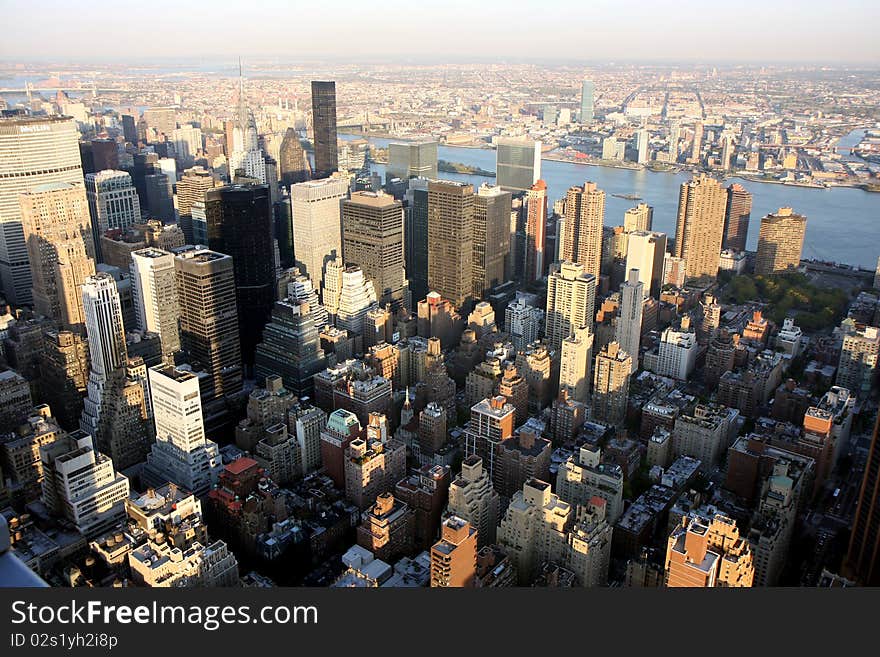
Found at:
[611, 384]
[536, 226]
[472, 497]
[491, 238]
[113, 203]
[640, 217]
[154, 293]
[518, 163]
[412, 160]
[372, 237]
[587, 91]
[33, 151]
[317, 226]
[324, 127]
[736, 218]
[629, 322]
[239, 219]
[700, 227]
[293, 163]
[356, 296]
[571, 299]
[54, 218]
[451, 240]
[191, 189]
[291, 347]
[859, 356]
[209, 318]
[645, 252]
[181, 453]
[863, 557]
[780, 242]
[582, 230]
[575, 363]
[246, 156]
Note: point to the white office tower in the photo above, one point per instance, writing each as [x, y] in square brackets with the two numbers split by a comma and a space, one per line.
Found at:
[81, 484]
[317, 225]
[181, 453]
[154, 293]
[33, 151]
[629, 324]
[103, 316]
[645, 251]
[300, 288]
[523, 323]
[355, 299]
[113, 203]
[575, 365]
[187, 141]
[246, 155]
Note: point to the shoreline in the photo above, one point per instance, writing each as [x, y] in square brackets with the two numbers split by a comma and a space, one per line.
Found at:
[859, 185]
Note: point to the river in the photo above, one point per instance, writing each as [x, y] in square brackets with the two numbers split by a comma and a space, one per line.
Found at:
[843, 224]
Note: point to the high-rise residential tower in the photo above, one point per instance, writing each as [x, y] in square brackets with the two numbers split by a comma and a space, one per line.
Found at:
[629, 322]
[324, 127]
[645, 251]
[33, 151]
[780, 242]
[536, 258]
[736, 218]
[582, 230]
[55, 220]
[571, 299]
[451, 240]
[611, 384]
[700, 228]
[863, 558]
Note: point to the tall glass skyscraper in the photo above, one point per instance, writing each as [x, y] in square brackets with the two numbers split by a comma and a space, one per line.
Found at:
[324, 127]
[587, 92]
[33, 151]
[518, 163]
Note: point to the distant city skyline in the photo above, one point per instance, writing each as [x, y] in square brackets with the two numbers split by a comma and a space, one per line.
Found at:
[589, 32]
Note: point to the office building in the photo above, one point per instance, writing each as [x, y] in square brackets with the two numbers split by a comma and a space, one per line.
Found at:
[113, 203]
[33, 151]
[81, 485]
[575, 364]
[708, 554]
[55, 221]
[372, 238]
[629, 321]
[571, 298]
[611, 384]
[324, 128]
[291, 347]
[454, 556]
[154, 294]
[523, 323]
[517, 163]
[537, 257]
[239, 219]
[64, 374]
[645, 252]
[181, 454]
[699, 231]
[161, 119]
[317, 226]
[451, 240]
[293, 163]
[191, 189]
[412, 160]
[491, 422]
[780, 242]
[187, 140]
[491, 238]
[581, 239]
[736, 218]
[209, 318]
[416, 237]
[588, 89]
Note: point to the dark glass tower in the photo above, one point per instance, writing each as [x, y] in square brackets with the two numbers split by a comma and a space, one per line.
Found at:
[416, 235]
[240, 223]
[324, 123]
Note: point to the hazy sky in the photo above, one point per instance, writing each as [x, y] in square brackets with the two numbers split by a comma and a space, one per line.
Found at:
[831, 31]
